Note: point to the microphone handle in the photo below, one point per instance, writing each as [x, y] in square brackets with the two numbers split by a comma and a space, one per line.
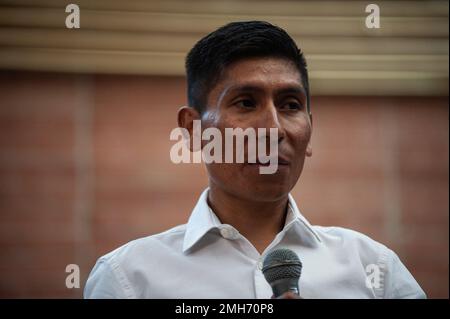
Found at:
[281, 286]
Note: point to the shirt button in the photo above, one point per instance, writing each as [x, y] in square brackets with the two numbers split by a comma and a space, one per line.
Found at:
[260, 265]
[229, 233]
[225, 232]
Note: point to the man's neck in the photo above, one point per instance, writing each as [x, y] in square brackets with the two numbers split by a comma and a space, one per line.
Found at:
[259, 222]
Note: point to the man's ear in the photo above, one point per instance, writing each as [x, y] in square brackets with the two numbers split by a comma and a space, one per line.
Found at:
[186, 116]
[309, 147]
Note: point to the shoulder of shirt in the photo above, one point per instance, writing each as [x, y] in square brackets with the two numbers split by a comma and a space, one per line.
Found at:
[156, 242]
[115, 267]
[348, 237]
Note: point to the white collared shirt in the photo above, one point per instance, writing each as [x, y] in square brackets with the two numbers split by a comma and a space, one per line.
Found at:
[207, 259]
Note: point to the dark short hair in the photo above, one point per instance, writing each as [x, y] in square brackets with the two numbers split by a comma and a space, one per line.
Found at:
[235, 41]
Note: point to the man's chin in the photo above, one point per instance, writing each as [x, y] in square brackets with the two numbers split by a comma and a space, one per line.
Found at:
[266, 193]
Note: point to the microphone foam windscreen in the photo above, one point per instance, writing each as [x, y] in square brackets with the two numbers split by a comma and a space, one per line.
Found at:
[281, 264]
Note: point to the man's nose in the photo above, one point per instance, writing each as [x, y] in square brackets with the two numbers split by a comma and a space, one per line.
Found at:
[269, 118]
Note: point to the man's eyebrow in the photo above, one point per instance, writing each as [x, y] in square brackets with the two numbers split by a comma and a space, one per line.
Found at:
[293, 89]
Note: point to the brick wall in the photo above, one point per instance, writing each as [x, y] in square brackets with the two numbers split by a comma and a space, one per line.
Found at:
[85, 167]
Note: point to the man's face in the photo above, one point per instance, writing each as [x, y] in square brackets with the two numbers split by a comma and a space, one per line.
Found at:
[260, 93]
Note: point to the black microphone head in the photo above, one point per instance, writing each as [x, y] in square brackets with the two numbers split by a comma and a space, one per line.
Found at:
[282, 266]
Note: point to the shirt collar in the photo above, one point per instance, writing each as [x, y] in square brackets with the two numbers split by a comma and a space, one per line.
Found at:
[303, 227]
[203, 220]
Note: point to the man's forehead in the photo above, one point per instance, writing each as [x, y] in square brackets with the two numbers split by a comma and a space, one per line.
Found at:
[248, 72]
[264, 65]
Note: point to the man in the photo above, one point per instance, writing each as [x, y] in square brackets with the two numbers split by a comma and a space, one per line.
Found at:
[249, 75]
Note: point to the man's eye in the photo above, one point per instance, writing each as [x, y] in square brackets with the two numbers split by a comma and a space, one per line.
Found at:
[245, 103]
[293, 105]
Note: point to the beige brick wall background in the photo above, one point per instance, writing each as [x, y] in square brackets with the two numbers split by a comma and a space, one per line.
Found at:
[85, 167]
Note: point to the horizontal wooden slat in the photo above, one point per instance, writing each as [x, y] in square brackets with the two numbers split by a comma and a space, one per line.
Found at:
[175, 42]
[205, 23]
[389, 8]
[423, 63]
[127, 62]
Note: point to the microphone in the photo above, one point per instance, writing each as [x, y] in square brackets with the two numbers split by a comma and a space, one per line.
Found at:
[282, 269]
